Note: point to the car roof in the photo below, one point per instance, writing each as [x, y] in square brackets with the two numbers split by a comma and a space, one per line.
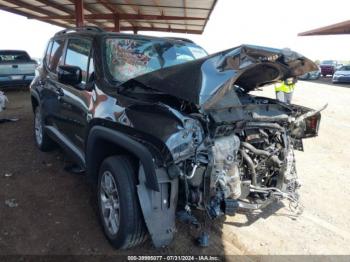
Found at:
[98, 32]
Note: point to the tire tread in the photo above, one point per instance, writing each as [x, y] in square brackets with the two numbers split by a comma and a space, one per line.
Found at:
[138, 234]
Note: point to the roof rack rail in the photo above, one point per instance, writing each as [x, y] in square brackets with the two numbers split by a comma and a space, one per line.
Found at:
[80, 29]
[180, 39]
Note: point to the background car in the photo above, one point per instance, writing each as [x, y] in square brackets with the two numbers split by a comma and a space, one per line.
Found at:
[342, 75]
[311, 75]
[16, 68]
[328, 67]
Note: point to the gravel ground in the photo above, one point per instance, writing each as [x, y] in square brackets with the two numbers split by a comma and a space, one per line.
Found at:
[54, 211]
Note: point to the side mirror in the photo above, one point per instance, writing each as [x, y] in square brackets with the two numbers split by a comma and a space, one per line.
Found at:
[70, 75]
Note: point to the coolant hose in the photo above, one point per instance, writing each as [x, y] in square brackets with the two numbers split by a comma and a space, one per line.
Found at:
[250, 164]
[255, 150]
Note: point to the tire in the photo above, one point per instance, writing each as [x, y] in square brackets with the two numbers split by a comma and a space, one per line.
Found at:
[42, 140]
[119, 209]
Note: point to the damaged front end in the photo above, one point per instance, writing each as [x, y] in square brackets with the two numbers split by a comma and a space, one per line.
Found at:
[231, 150]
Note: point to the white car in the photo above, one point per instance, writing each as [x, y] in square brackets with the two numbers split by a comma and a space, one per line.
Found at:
[342, 75]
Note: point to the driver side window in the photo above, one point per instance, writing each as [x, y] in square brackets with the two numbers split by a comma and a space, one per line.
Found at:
[77, 54]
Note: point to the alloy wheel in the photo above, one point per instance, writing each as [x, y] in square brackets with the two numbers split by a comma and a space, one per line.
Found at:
[110, 205]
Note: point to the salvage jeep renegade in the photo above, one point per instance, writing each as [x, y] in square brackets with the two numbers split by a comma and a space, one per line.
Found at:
[161, 128]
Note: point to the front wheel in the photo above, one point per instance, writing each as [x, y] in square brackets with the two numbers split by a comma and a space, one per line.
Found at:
[119, 209]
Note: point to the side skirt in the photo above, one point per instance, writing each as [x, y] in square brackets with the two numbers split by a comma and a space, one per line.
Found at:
[67, 145]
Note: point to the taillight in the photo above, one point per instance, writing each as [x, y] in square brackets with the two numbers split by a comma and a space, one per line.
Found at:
[313, 122]
[312, 125]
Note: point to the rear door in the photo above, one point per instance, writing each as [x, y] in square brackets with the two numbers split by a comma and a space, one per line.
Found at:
[76, 100]
[51, 89]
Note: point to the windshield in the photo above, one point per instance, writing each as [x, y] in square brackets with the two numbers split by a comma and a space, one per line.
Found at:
[129, 58]
[328, 62]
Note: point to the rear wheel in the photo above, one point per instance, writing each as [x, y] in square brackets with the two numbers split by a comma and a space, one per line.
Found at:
[119, 209]
[42, 140]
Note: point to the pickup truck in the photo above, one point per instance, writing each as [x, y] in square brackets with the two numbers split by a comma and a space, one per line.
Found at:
[16, 68]
[328, 67]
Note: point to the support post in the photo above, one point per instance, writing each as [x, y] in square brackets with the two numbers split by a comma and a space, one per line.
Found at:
[79, 13]
[117, 24]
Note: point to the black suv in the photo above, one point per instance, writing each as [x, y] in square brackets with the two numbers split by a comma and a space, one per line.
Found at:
[161, 128]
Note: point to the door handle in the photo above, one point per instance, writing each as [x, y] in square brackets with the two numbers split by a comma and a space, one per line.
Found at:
[59, 92]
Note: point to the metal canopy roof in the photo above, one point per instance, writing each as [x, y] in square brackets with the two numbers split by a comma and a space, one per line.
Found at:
[335, 29]
[180, 16]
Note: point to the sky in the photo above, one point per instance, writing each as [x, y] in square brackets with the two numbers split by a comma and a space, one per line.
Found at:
[272, 23]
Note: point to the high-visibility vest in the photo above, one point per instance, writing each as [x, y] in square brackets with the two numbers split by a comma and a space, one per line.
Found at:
[283, 87]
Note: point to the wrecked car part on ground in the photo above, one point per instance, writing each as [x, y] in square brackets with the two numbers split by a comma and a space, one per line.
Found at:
[160, 126]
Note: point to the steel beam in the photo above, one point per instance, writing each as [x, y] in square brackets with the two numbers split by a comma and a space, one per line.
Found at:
[113, 8]
[79, 13]
[185, 12]
[134, 4]
[30, 16]
[88, 8]
[334, 29]
[116, 24]
[125, 17]
[34, 8]
[141, 28]
[107, 5]
[56, 6]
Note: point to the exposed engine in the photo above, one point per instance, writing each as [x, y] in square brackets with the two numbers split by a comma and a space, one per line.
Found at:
[248, 164]
[225, 173]
[247, 169]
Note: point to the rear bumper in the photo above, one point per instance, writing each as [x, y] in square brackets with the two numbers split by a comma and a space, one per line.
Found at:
[9, 81]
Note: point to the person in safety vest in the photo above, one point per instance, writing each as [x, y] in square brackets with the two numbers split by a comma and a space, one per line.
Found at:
[284, 90]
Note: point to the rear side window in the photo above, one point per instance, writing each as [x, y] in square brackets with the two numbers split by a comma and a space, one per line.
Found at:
[78, 51]
[56, 54]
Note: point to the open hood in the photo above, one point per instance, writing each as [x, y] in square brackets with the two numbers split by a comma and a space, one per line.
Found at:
[207, 80]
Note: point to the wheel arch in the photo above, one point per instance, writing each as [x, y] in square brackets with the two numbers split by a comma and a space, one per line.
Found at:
[103, 142]
[34, 97]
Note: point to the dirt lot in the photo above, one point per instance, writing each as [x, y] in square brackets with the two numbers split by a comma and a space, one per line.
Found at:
[56, 213]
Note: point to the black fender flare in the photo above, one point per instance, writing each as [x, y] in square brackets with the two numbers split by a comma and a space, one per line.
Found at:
[34, 95]
[124, 141]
